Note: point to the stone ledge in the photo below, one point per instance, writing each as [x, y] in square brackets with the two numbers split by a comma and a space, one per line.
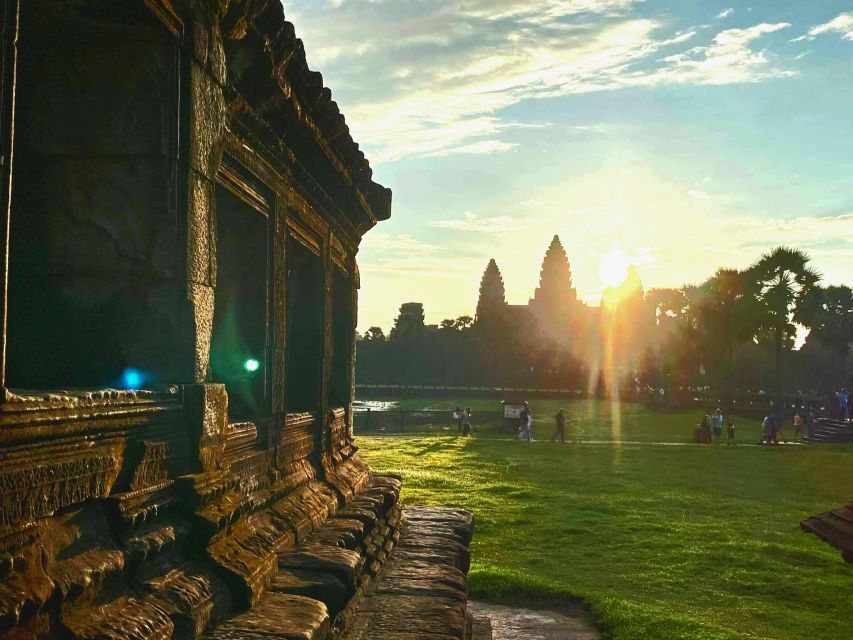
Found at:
[420, 593]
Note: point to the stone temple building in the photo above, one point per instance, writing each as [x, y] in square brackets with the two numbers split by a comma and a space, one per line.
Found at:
[554, 312]
[183, 206]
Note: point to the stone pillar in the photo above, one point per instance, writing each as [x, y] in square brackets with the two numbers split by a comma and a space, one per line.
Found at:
[328, 319]
[355, 284]
[207, 119]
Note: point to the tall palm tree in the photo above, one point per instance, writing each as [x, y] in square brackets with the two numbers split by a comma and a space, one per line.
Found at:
[784, 286]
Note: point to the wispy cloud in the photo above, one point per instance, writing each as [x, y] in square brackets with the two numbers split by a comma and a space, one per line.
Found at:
[729, 59]
[842, 23]
[725, 13]
[472, 222]
[487, 55]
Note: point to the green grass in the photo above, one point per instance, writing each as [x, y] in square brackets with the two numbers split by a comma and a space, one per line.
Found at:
[660, 541]
[594, 419]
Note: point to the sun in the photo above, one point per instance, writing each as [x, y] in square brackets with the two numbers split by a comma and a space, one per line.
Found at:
[613, 268]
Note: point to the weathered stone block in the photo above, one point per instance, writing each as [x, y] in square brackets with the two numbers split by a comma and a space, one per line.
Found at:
[206, 419]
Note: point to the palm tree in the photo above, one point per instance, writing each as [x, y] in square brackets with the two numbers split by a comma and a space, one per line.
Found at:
[784, 284]
[833, 323]
[728, 315]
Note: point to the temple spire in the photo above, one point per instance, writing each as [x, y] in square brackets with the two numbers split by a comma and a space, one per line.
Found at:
[555, 277]
[492, 300]
[555, 303]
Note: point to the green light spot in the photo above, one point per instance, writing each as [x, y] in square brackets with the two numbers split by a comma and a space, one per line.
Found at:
[251, 365]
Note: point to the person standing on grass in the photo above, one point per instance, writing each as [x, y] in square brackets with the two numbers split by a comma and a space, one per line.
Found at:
[798, 427]
[530, 427]
[717, 425]
[706, 429]
[522, 423]
[458, 415]
[466, 422]
[730, 430]
[561, 427]
[767, 429]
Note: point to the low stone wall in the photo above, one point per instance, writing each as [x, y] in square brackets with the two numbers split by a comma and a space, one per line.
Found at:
[140, 515]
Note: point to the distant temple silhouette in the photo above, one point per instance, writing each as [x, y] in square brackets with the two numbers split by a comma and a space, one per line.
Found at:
[554, 312]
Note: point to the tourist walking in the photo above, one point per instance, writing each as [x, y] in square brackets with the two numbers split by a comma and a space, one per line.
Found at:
[798, 427]
[730, 430]
[466, 422]
[561, 427]
[767, 429]
[717, 425]
[522, 423]
[843, 401]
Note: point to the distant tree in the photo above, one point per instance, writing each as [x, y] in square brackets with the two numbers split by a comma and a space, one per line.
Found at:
[464, 322]
[727, 315]
[374, 334]
[448, 324]
[833, 321]
[784, 285]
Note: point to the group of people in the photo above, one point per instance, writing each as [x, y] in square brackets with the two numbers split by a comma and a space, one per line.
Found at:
[711, 428]
[773, 427]
[525, 425]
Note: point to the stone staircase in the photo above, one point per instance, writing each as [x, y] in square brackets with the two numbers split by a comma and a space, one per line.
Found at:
[830, 430]
[123, 519]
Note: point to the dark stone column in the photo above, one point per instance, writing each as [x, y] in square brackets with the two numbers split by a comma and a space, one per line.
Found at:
[326, 436]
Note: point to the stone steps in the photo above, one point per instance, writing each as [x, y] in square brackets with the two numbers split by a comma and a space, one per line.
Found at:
[421, 592]
[831, 431]
[320, 581]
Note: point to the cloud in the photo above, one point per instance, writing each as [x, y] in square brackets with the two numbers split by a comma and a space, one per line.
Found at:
[725, 13]
[729, 59]
[472, 222]
[483, 146]
[842, 23]
[435, 78]
[698, 194]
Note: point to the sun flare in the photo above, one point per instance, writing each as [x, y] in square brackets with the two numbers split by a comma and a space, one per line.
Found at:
[613, 268]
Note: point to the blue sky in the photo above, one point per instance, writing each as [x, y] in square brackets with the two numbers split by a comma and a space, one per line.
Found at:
[687, 135]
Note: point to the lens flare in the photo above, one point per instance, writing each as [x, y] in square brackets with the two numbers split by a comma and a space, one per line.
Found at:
[613, 268]
[132, 378]
[251, 365]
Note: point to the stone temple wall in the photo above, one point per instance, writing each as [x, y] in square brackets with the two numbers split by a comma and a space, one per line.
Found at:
[151, 149]
[146, 515]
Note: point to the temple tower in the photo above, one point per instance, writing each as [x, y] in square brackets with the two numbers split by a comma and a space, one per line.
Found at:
[555, 301]
[492, 301]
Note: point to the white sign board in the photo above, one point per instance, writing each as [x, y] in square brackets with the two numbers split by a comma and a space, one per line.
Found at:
[513, 411]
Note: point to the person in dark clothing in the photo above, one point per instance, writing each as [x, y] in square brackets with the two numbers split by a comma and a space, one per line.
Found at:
[522, 422]
[730, 430]
[466, 422]
[561, 427]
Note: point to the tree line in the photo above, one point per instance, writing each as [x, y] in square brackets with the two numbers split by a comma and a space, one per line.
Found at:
[736, 330]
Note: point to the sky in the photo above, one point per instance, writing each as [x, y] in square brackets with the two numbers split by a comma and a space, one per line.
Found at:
[687, 135]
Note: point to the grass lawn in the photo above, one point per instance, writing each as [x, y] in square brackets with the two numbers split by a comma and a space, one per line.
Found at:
[594, 419]
[660, 541]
